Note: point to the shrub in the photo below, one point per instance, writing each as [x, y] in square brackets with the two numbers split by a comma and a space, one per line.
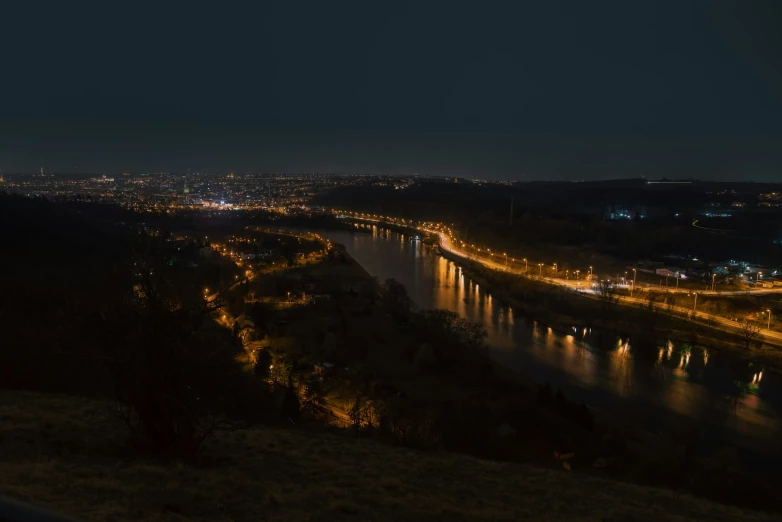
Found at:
[544, 395]
[425, 359]
[313, 399]
[357, 413]
[175, 376]
[291, 408]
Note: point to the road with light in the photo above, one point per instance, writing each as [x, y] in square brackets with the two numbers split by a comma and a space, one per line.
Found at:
[448, 243]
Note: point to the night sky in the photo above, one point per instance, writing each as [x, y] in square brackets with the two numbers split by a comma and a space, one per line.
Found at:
[525, 90]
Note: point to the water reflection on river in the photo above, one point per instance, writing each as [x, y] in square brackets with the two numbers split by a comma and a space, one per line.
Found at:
[654, 390]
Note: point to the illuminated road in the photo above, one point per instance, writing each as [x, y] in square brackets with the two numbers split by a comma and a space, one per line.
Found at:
[769, 336]
[696, 225]
[446, 243]
[721, 323]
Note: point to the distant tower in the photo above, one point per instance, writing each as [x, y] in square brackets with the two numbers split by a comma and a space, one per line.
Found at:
[510, 221]
[41, 171]
[186, 191]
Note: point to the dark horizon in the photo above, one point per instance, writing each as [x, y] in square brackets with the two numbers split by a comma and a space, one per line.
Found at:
[525, 91]
[641, 180]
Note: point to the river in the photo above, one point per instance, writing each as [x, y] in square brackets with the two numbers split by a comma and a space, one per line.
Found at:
[655, 391]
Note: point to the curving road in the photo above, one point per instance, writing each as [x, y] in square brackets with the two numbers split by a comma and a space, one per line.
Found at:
[721, 323]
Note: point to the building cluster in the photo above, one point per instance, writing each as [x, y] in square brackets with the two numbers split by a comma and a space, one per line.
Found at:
[726, 203]
[156, 192]
[728, 271]
[770, 199]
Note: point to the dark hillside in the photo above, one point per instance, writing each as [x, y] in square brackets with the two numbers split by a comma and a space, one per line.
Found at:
[61, 453]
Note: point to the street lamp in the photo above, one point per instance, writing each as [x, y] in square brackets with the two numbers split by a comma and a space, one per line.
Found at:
[713, 281]
[633, 288]
[540, 266]
[577, 272]
[506, 258]
[769, 318]
[555, 270]
[526, 267]
[695, 306]
[590, 273]
[677, 280]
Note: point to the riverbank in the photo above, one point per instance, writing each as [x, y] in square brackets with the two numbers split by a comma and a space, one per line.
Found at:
[417, 369]
[618, 319]
[564, 310]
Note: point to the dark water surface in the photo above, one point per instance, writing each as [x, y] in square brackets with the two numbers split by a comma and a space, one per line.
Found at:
[655, 389]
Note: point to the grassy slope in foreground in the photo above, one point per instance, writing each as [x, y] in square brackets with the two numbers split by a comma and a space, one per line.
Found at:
[66, 454]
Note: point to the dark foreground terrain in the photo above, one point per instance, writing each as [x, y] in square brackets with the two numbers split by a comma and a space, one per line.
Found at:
[66, 454]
